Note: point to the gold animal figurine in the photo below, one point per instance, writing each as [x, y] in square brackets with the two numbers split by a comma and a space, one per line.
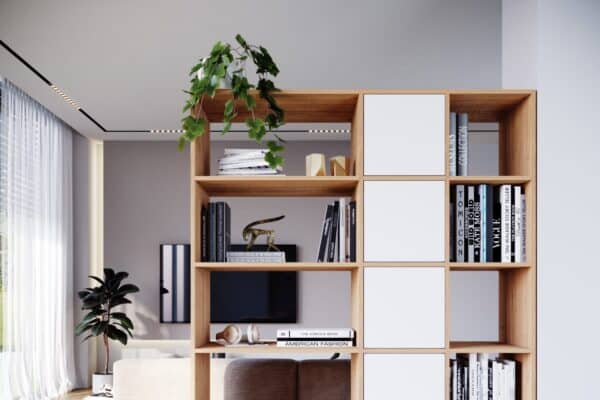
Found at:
[249, 233]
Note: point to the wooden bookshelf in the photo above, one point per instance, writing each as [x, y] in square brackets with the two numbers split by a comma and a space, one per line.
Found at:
[514, 110]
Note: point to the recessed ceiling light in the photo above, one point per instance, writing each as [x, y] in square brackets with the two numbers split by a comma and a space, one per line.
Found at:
[65, 97]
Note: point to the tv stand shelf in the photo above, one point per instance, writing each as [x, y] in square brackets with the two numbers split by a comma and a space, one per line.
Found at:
[400, 292]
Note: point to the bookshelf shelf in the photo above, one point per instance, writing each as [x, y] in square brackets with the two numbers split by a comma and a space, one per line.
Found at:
[495, 180]
[486, 347]
[289, 266]
[514, 112]
[278, 186]
[489, 266]
[270, 348]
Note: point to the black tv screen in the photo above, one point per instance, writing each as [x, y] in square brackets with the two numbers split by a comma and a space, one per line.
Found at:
[256, 296]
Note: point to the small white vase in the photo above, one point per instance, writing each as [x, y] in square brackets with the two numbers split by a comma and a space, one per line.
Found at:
[100, 382]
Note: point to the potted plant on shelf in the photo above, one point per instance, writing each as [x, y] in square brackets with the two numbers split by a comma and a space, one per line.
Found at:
[103, 321]
[225, 66]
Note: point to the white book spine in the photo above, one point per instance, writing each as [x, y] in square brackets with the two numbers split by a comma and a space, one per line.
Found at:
[496, 380]
[453, 144]
[483, 363]
[518, 225]
[473, 377]
[506, 222]
[454, 380]
[463, 144]
[230, 152]
[523, 229]
[342, 232]
[244, 164]
[321, 333]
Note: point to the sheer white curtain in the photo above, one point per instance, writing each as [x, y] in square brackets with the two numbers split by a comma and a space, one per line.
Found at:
[36, 198]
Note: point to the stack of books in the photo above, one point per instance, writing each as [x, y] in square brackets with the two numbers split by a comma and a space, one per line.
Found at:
[315, 337]
[459, 144]
[338, 235]
[216, 231]
[245, 162]
[256, 256]
[483, 377]
[487, 223]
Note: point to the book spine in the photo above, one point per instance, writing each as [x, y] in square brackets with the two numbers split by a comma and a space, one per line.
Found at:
[321, 333]
[325, 233]
[497, 226]
[452, 211]
[342, 233]
[220, 232]
[473, 395]
[489, 223]
[314, 343]
[204, 232]
[227, 231]
[518, 224]
[505, 197]
[483, 221]
[353, 231]
[483, 372]
[459, 380]
[470, 223]
[452, 156]
[212, 242]
[524, 228]
[490, 373]
[334, 232]
[454, 378]
[463, 144]
[512, 225]
[477, 226]
[460, 223]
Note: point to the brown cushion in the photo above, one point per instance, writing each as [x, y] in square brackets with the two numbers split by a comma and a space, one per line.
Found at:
[324, 380]
[256, 379]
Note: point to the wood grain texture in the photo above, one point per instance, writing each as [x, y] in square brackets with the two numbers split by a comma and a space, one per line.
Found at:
[270, 348]
[288, 266]
[278, 186]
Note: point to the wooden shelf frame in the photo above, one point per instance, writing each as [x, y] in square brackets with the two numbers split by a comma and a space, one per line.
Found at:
[514, 110]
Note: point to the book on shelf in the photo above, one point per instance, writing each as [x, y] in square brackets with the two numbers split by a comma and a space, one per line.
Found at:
[338, 233]
[315, 337]
[483, 377]
[462, 148]
[453, 145]
[245, 162]
[487, 223]
[256, 256]
[314, 343]
[215, 231]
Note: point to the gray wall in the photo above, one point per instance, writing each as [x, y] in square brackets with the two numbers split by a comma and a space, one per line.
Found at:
[81, 246]
[564, 66]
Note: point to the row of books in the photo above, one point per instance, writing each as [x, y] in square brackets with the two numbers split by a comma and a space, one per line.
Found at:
[245, 162]
[487, 223]
[459, 144]
[483, 377]
[216, 232]
[315, 337]
[338, 235]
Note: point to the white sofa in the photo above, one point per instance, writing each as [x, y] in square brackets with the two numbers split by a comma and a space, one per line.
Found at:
[162, 379]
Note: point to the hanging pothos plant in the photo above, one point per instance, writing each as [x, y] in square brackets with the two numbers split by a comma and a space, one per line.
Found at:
[226, 63]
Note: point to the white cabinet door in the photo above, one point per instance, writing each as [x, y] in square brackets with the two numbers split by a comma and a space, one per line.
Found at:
[404, 134]
[404, 221]
[404, 376]
[404, 307]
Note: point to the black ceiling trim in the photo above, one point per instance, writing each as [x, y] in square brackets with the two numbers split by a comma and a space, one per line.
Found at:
[25, 63]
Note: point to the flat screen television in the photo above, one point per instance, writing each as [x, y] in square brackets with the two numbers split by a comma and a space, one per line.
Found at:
[253, 296]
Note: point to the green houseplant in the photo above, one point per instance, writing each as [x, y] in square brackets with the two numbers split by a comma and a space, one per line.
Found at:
[102, 320]
[227, 63]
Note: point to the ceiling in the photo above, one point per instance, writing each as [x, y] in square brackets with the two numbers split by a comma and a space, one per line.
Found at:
[126, 62]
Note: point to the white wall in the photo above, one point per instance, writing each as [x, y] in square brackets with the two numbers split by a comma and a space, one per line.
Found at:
[567, 46]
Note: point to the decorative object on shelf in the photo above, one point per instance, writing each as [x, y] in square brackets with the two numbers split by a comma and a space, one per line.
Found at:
[175, 271]
[231, 335]
[246, 162]
[252, 334]
[339, 166]
[315, 164]
[225, 66]
[327, 337]
[102, 321]
[250, 233]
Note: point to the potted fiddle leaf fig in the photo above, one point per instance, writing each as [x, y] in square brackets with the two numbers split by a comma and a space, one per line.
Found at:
[225, 66]
[104, 320]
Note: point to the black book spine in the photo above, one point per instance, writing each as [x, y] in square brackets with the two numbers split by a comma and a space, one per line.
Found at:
[325, 233]
[352, 231]
[489, 223]
[477, 226]
[512, 224]
[470, 223]
[227, 230]
[204, 234]
[334, 232]
[460, 222]
[212, 241]
[496, 226]
[452, 229]
[220, 232]
[490, 368]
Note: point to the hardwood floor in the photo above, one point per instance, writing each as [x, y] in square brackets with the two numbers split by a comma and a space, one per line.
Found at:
[79, 394]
